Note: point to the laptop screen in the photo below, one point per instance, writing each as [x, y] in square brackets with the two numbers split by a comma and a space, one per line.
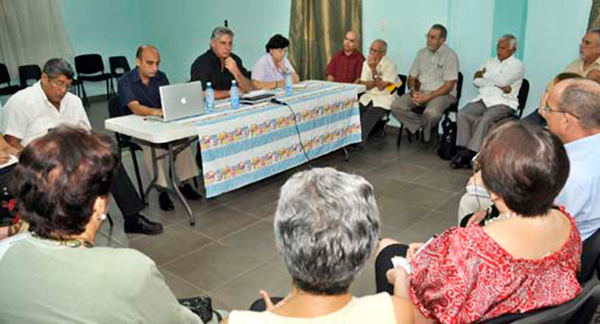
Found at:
[182, 100]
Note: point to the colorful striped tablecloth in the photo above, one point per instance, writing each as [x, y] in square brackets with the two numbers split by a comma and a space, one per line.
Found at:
[246, 145]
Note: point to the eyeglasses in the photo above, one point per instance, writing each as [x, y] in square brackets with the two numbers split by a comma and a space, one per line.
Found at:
[59, 84]
[547, 110]
[476, 164]
[373, 50]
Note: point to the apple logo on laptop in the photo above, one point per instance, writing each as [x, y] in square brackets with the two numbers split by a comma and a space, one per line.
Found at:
[183, 101]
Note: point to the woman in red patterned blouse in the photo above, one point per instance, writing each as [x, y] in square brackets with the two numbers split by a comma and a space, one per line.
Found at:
[526, 258]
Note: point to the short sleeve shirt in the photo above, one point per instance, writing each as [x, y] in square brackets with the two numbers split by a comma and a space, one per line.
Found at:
[131, 88]
[434, 68]
[577, 67]
[345, 68]
[265, 70]
[29, 114]
[207, 68]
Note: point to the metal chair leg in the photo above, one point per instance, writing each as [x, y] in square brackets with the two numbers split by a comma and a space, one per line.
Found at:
[399, 140]
[137, 174]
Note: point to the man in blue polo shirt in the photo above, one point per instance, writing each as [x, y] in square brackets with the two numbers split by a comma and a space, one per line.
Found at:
[139, 93]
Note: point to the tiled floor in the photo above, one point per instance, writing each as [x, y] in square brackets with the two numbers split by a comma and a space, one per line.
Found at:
[230, 254]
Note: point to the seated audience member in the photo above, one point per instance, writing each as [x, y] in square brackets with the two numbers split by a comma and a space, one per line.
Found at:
[33, 111]
[54, 274]
[220, 66]
[139, 93]
[572, 110]
[587, 65]
[379, 75]
[525, 259]
[346, 65]
[326, 229]
[431, 85]
[270, 70]
[499, 81]
[477, 199]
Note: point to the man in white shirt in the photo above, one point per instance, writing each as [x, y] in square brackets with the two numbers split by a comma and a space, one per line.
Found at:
[36, 110]
[379, 76]
[499, 81]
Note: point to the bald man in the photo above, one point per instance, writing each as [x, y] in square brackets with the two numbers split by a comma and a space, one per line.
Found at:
[139, 94]
[346, 65]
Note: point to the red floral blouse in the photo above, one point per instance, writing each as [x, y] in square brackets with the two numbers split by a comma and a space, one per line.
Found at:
[464, 276]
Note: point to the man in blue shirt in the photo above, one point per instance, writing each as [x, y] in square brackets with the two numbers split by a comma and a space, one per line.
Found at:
[572, 112]
[139, 93]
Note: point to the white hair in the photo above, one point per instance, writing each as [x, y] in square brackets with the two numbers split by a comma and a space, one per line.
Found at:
[512, 40]
[326, 228]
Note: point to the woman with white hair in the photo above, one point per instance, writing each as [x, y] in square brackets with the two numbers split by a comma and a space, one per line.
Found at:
[326, 228]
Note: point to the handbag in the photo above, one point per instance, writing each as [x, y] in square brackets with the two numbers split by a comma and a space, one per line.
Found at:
[201, 306]
[447, 146]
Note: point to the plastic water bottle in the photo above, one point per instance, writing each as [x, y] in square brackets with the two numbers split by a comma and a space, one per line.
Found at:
[210, 98]
[234, 95]
[289, 84]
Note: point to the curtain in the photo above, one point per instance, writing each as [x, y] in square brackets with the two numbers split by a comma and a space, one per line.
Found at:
[31, 32]
[594, 15]
[317, 30]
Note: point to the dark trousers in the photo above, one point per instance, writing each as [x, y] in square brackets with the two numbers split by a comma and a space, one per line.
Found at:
[383, 263]
[369, 116]
[125, 194]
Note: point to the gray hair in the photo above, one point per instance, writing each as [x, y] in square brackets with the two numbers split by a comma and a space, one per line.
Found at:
[512, 40]
[582, 99]
[383, 44]
[220, 31]
[326, 228]
[595, 30]
[56, 67]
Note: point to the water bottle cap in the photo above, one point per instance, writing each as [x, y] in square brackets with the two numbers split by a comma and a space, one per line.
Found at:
[233, 82]
[208, 83]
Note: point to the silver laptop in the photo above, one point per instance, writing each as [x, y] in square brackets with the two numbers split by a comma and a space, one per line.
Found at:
[181, 101]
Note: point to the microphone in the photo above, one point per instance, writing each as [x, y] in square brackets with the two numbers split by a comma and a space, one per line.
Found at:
[277, 102]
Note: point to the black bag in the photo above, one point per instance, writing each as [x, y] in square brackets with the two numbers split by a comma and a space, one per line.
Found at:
[447, 147]
[201, 306]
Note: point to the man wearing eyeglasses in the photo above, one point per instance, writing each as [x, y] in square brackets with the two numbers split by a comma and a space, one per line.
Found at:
[572, 111]
[431, 84]
[35, 110]
[379, 76]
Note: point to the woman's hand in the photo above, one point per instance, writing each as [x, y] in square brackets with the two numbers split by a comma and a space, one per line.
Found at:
[413, 248]
[477, 217]
[399, 279]
[269, 303]
[4, 157]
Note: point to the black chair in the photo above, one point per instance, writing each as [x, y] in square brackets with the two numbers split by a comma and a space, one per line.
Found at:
[90, 67]
[522, 97]
[590, 258]
[382, 124]
[124, 142]
[118, 66]
[453, 108]
[579, 310]
[29, 72]
[5, 78]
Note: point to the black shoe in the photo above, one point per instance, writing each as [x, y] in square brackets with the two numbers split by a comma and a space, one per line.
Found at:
[139, 224]
[165, 202]
[189, 193]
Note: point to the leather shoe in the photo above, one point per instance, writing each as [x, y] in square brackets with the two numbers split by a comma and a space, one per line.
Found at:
[139, 224]
[165, 202]
[189, 193]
